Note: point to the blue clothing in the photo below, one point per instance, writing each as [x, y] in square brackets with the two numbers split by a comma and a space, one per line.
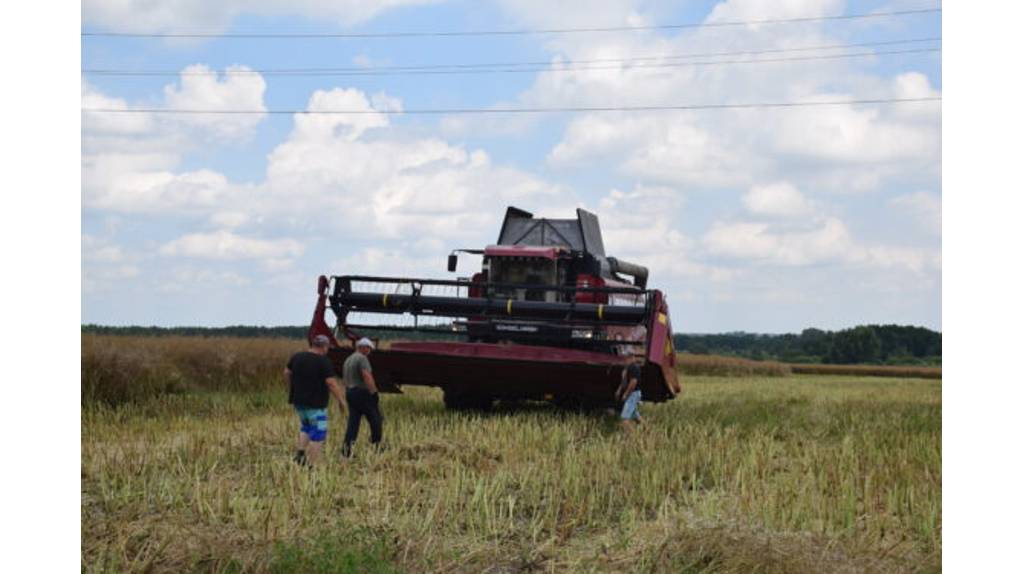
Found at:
[631, 409]
[312, 422]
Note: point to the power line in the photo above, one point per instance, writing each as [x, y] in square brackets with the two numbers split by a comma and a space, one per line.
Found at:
[456, 33]
[560, 68]
[569, 66]
[437, 111]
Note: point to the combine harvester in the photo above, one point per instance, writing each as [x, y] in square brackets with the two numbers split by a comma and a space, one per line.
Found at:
[549, 317]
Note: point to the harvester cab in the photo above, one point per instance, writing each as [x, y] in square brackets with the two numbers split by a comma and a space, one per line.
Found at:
[547, 317]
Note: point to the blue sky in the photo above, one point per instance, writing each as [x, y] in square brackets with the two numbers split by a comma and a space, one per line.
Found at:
[755, 220]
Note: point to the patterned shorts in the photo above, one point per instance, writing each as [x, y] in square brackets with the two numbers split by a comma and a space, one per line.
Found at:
[313, 422]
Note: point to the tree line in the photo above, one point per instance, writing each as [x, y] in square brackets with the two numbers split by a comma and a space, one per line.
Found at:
[864, 344]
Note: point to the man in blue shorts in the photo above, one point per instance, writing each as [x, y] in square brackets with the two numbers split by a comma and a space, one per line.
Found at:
[629, 391]
[310, 377]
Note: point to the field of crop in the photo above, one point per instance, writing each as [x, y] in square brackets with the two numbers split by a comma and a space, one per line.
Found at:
[869, 371]
[186, 466]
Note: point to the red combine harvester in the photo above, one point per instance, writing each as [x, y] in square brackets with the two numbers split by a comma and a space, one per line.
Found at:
[548, 317]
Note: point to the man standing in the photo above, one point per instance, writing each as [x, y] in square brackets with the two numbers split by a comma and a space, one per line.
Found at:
[310, 376]
[629, 390]
[361, 396]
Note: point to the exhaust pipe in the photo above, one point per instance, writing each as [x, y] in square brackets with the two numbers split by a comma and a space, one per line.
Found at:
[638, 272]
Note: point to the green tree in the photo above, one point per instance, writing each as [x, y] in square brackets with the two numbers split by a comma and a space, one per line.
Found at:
[857, 345]
[814, 342]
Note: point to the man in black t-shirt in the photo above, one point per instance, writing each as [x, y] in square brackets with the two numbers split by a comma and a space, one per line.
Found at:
[310, 377]
[629, 391]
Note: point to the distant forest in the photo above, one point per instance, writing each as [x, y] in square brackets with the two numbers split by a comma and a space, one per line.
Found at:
[866, 344]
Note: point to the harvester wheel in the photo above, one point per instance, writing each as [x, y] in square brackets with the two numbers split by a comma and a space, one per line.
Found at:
[461, 401]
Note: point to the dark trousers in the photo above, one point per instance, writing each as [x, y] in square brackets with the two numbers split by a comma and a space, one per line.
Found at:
[362, 404]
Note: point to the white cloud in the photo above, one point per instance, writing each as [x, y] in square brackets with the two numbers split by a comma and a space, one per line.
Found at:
[199, 280]
[639, 226]
[397, 261]
[321, 128]
[129, 159]
[841, 148]
[211, 17]
[780, 199]
[854, 134]
[230, 219]
[383, 183]
[100, 250]
[225, 245]
[201, 88]
[647, 146]
[916, 85]
[747, 10]
[833, 148]
[111, 123]
[817, 239]
[105, 264]
[102, 278]
[793, 232]
[914, 259]
[925, 209]
[197, 88]
[277, 265]
[579, 13]
[349, 177]
[109, 183]
[828, 240]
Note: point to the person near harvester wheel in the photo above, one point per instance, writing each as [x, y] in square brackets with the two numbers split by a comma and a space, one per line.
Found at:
[629, 392]
[362, 396]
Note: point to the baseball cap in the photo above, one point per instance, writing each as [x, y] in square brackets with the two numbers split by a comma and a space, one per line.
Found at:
[321, 341]
[365, 342]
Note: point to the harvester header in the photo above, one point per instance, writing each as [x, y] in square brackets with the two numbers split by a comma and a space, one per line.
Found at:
[547, 317]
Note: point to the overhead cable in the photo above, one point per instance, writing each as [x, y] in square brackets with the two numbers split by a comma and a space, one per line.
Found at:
[644, 62]
[459, 33]
[533, 110]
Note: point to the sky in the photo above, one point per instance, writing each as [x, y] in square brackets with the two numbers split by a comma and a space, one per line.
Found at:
[759, 220]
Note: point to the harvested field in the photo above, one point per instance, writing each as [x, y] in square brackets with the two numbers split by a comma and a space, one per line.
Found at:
[739, 474]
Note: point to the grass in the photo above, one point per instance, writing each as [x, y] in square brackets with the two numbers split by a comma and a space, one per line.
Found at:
[353, 551]
[118, 369]
[720, 366]
[739, 474]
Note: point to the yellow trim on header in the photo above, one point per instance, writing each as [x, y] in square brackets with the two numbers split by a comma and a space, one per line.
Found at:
[385, 302]
[508, 308]
[600, 312]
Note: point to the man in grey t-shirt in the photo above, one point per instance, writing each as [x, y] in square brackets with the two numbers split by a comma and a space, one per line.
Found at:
[361, 396]
[355, 365]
